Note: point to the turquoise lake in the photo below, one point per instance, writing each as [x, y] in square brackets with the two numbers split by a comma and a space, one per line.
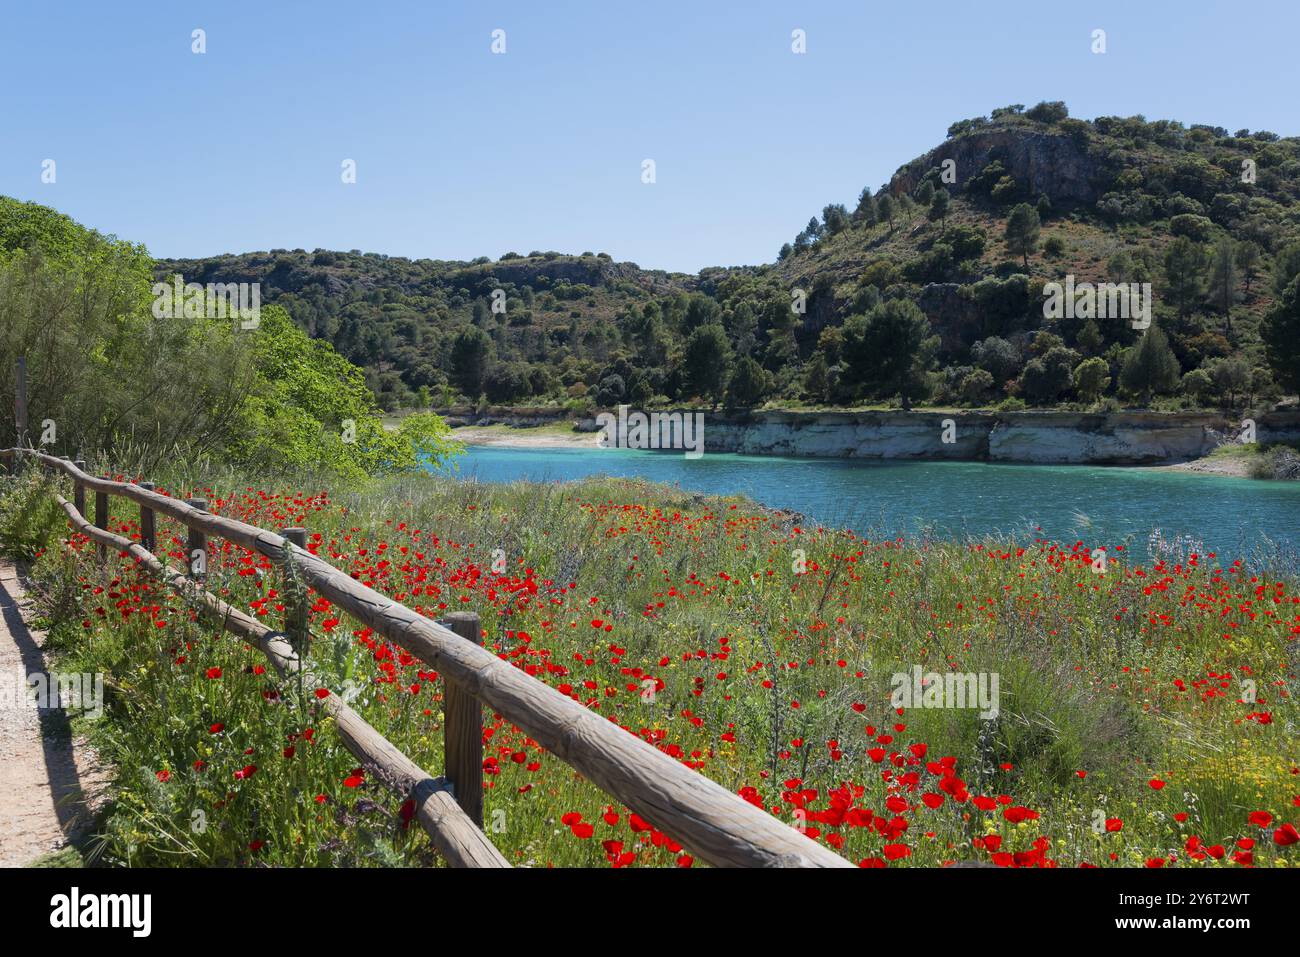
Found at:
[1235, 518]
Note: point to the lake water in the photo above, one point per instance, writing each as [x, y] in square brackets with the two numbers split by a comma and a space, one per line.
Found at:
[1100, 505]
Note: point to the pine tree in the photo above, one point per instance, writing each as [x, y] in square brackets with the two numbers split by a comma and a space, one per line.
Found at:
[885, 207]
[1281, 334]
[939, 208]
[1150, 366]
[1223, 279]
[1022, 231]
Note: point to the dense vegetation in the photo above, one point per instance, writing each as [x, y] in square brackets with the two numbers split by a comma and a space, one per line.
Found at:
[1143, 715]
[104, 371]
[929, 289]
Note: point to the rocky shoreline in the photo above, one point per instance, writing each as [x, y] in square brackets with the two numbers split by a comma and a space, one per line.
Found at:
[1057, 438]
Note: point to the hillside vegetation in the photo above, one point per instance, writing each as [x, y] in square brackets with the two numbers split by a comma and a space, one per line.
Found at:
[105, 370]
[930, 289]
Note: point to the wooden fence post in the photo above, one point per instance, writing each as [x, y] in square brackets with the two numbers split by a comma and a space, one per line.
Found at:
[101, 521]
[79, 490]
[463, 729]
[295, 597]
[196, 548]
[148, 530]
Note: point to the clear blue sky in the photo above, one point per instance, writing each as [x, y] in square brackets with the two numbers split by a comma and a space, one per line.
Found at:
[462, 153]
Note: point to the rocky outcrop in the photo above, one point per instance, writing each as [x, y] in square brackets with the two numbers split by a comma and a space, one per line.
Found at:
[884, 435]
[1042, 161]
[1134, 438]
[1057, 438]
[1121, 438]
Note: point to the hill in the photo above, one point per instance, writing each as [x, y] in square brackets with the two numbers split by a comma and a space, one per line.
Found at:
[1209, 218]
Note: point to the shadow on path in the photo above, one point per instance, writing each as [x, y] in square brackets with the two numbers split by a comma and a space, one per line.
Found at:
[58, 781]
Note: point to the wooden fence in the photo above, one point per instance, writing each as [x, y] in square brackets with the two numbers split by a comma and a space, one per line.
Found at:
[716, 825]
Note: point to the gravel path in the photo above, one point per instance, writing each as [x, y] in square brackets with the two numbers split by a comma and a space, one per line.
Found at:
[49, 783]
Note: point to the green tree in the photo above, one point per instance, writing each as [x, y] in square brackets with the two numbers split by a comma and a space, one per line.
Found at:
[1248, 256]
[1286, 266]
[888, 350]
[1046, 377]
[816, 378]
[706, 362]
[1223, 279]
[939, 208]
[749, 383]
[1150, 366]
[866, 209]
[1089, 339]
[471, 353]
[835, 218]
[1184, 273]
[1231, 377]
[1197, 385]
[1281, 334]
[1000, 357]
[886, 209]
[1091, 378]
[975, 386]
[1022, 231]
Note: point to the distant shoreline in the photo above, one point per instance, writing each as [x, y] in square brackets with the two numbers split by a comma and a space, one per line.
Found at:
[538, 437]
[559, 437]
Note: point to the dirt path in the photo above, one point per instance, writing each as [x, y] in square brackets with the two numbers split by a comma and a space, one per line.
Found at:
[49, 784]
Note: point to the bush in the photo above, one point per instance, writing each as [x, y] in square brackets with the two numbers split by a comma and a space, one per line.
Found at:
[1048, 112]
[1192, 226]
[1091, 378]
[976, 386]
[1197, 385]
[1045, 378]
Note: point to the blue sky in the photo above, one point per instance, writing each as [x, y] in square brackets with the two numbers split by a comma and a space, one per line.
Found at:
[462, 153]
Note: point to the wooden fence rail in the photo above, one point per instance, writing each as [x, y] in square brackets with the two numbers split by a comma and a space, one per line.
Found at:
[718, 826]
[456, 836]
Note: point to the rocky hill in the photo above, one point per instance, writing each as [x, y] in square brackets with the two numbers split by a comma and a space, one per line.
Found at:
[1210, 219]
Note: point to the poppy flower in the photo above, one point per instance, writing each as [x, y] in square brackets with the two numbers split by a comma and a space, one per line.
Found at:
[896, 852]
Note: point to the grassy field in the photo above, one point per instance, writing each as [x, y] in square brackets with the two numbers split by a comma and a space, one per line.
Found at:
[1145, 715]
